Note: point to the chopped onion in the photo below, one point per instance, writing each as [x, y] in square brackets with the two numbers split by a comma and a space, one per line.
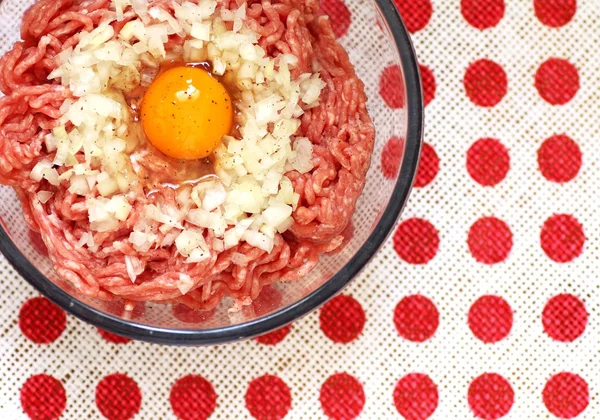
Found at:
[205, 219]
[108, 187]
[185, 283]
[83, 240]
[197, 255]
[214, 197]
[37, 173]
[79, 185]
[259, 240]
[201, 31]
[44, 196]
[134, 266]
[304, 152]
[219, 66]
[277, 214]
[230, 239]
[142, 242]
[252, 193]
[189, 240]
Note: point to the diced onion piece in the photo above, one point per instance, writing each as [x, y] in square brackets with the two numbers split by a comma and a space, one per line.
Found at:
[100, 217]
[157, 36]
[201, 31]
[120, 6]
[230, 239]
[286, 191]
[154, 213]
[79, 185]
[304, 151]
[185, 283]
[120, 207]
[189, 240]
[61, 142]
[140, 7]
[287, 224]
[214, 197]
[197, 255]
[240, 13]
[205, 219]
[277, 214]
[218, 245]
[134, 266]
[164, 16]
[266, 111]
[219, 66]
[44, 196]
[270, 231]
[259, 240]
[37, 173]
[271, 183]
[141, 241]
[82, 241]
[108, 187]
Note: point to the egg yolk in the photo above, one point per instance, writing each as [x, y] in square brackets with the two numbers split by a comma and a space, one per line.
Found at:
[186, 112]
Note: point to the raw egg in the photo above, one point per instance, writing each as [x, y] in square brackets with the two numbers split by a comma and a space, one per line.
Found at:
[186, 112]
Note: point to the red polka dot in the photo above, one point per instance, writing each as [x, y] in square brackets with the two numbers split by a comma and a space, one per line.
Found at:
[43, 398]
[391, 87]
[415, 13]
[428, 81]
[339, 14]
[391, 157]
[416, 318]
[189, 315]
[562, 238]
[555, 13]
[416, 241]
[118, 397]
[566, 395]
[268, 398]
[113, 338]
[342, 319]
[490, 318]
[37, 243]
[485, 83]
[559, 159]
[42, 321]
[193, 398]
[488, 162]
[557, 81]
[564, 318]
[342, 397]
[490, 396]
[490, 240]
[429, 166]
[274, 337]
[482, 14]
[416, 396]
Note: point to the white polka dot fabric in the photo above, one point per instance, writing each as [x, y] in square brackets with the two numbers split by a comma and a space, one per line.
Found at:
[482, 304]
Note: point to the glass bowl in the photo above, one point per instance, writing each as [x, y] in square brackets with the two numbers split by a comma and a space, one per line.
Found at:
[375, 40]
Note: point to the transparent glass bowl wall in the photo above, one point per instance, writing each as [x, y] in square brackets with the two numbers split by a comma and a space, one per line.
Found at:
[376, 39]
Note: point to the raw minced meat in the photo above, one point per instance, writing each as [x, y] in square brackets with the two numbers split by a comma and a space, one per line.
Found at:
[339, 128]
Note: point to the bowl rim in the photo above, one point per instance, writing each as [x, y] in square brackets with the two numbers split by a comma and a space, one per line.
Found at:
[302, 307]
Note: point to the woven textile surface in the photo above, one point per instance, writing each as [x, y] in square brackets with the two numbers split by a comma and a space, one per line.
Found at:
[482, 304]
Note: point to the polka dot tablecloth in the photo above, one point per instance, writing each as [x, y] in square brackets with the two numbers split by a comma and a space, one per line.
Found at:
[483, 304]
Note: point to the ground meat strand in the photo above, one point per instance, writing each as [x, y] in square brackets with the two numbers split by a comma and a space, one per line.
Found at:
[339, 128]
